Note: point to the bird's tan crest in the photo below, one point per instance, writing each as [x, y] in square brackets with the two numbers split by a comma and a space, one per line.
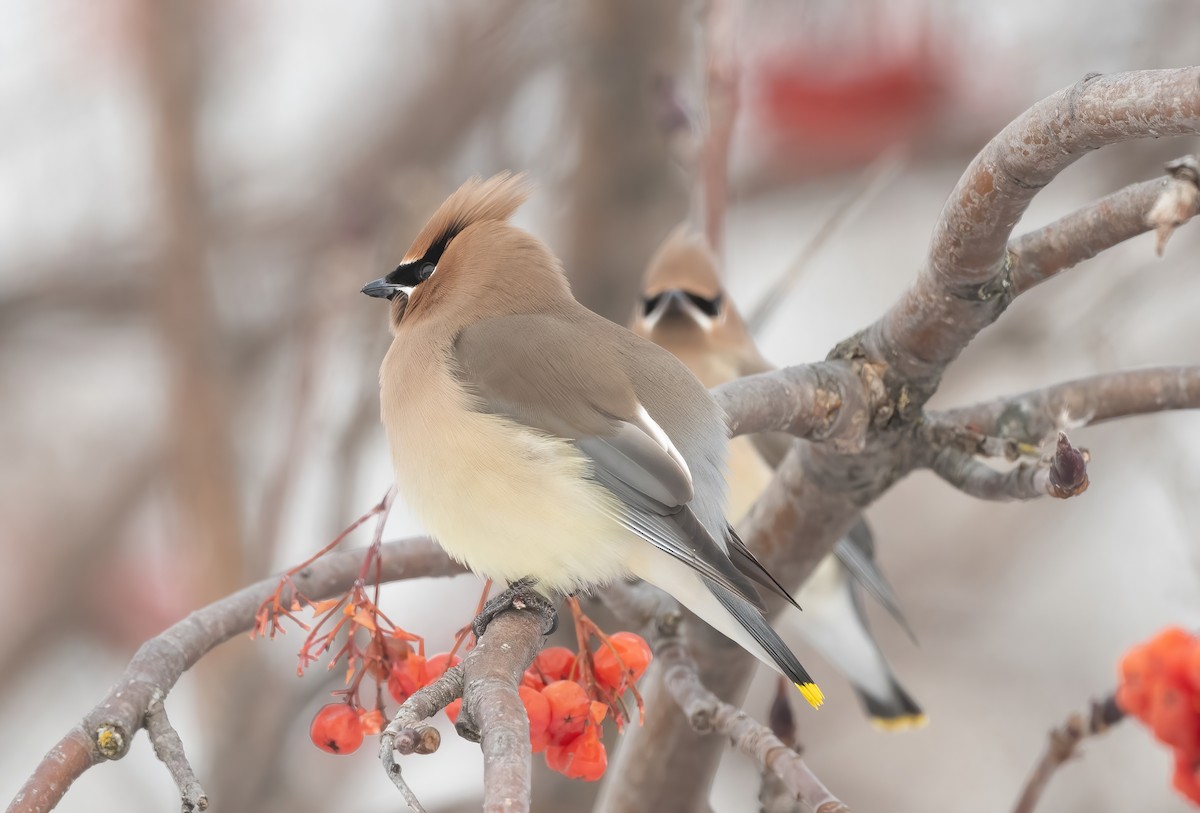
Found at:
[684, 262]
[476, 201]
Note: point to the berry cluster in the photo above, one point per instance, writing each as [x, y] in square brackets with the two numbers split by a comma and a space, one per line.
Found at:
[1160, 685]
[559, 699]
[339, 728]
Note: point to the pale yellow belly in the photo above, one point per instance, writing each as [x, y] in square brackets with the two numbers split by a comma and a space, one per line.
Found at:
[506, 501]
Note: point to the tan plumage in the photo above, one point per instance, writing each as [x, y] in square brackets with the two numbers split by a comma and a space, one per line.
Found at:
[536, 439]
[685, 310]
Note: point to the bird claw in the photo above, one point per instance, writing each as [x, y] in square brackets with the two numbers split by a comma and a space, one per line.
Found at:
[520, 595]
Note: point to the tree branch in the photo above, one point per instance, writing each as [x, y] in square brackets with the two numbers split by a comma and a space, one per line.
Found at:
[1031, 416]
[963, 287]
[1064, 741]
[1081, 235]
[108, 729]
[825, 401]
[1064, 475]
[491, 673]
[168, 747]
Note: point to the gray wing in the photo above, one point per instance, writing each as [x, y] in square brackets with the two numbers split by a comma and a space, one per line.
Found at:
[587, 398]
[856, 552]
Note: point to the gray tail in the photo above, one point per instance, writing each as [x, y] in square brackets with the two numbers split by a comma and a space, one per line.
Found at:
[752, 620]
[895, 712]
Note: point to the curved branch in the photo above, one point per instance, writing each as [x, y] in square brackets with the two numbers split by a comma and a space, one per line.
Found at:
[107, 730]
[1031, 416]
[963, 288]
[1081, 235]
[1063, 476]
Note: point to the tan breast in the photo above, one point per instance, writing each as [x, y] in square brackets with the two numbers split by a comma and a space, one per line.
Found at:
[507, 501]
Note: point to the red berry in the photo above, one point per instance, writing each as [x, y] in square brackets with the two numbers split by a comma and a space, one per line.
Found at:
[1173, 717]
[336, 729]
[1187, 777]
[622, 660]
[436, 666]
[453, 709]
[406, 677]
[554, 663]
[583, 758]
[533, 680]
[1133, 694]
[569, 709]
[537, 707]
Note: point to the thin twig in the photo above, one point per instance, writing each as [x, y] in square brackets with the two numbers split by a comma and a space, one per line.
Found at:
[1064, 742]
[875, 179]
[1063, 475]
[168, 747]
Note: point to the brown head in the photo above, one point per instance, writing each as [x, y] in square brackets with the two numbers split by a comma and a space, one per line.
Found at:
[684, 308]
[469, 262]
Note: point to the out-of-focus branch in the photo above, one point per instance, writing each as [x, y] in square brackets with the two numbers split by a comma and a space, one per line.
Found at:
[624, 193]
[1031, 416]
[1063, 476]
[963, 287]
[204, 474]
[1163, 203]
[723, 77]
[108, 729]
[1064, 742]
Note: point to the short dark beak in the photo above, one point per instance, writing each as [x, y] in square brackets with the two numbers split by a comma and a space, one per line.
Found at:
[674, 301]
[381, 288]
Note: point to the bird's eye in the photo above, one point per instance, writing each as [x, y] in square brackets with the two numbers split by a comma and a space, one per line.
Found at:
[650, 303]
[710, 307]
[426, 271]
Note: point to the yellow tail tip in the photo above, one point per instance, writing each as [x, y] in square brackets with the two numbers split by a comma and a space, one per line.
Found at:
[905, 722]
[812, 693]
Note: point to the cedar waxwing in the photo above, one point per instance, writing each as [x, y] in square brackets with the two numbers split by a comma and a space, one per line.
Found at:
[542, 444]
[685, 310]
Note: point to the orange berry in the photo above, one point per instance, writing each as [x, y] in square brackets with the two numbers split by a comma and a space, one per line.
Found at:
[554, 663]
[336, 728]
[537, 707]
[622, 661]
[1169, 653]
[583, 758]
[1192, 667]
[1133, 694]
[1187, 777]
[569, 709]
[533, 680]
[406, 677]
[453, 709]
[436, 666]
[1173, 717]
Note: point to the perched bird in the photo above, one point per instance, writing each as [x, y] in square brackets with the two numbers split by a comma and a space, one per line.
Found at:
[685, 310]
[542, 444]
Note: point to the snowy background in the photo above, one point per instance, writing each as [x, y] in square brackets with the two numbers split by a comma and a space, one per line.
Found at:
[1022, 610]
